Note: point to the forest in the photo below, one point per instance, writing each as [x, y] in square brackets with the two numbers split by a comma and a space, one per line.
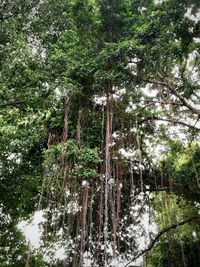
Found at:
[99, 133]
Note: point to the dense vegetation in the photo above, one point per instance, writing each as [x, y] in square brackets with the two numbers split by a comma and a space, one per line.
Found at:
[99, 128]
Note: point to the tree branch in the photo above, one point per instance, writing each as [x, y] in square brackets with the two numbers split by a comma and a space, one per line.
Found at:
[169, 120]
[156, 239]
[176, 93]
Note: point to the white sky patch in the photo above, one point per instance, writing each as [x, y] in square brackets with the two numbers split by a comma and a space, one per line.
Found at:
[46, 86]
[119, 92]
[55, 252]
[60, 92]
[140, 231]
[67, 192]
[149, 228]
[111, 181]
[15, 157]
[159, 1]
[196, 40]
[157, 151]
[176, 72]
[85, 183]
[131, 107]
[32, 230]
[194, 234]
[193, 73]
[119, 262]
[116, 96]
[149, 91]
[194, 17]
[116, 135]
[100, 100]
[112, 144]
[127, 153]
[87, 259]
[132, 66]
[60, 252]
[142, 9]
[73, 207]
[176, 131]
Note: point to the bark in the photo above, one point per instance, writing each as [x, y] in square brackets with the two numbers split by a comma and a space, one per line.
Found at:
[78, 128]
[54, 135]
[114, 218]
[99, 222]
[66, 120]
[109, 117]
[28, 259]
[83, 218]
[118, 203]
[138, 145]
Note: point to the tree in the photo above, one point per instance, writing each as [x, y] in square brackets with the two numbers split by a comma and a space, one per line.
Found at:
[90, 91]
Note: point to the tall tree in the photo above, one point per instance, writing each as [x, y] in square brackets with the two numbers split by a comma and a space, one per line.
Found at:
[93, 94]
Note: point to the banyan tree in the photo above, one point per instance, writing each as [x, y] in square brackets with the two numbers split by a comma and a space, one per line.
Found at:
[99, 119]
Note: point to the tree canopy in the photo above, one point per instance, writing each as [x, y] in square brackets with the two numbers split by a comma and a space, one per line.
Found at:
[99, 127]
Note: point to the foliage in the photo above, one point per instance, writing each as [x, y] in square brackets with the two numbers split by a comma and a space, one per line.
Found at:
[99, 104]
[178, 247]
